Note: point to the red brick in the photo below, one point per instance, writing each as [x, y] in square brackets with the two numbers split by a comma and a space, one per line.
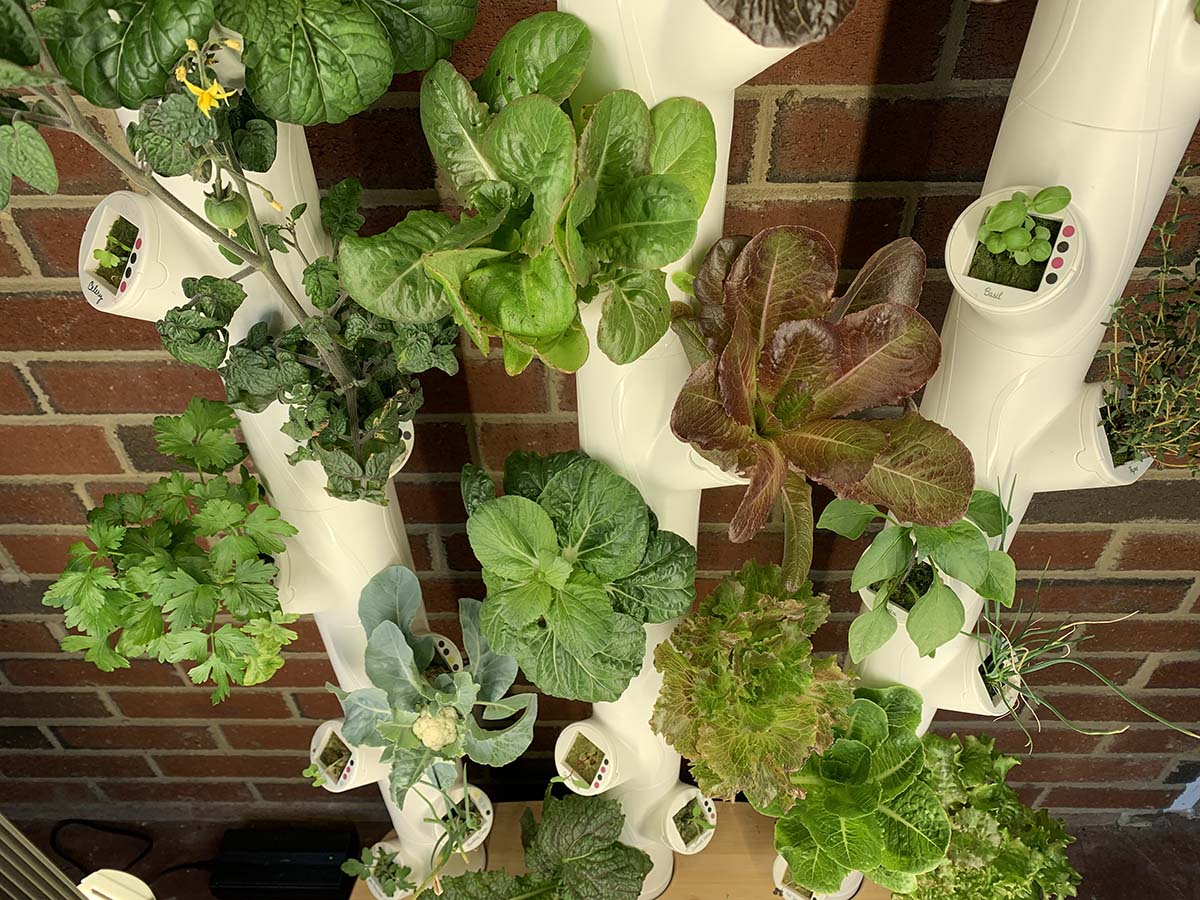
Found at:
[935, 302]
[719, 504]
[318, 705]
[495, 18]
[53, 235]
[68, 672]
[440, 447]
[1011, 740]
[835, 554]
[55, 450]
[481, 386]
[1145, 635]
[994, 38]
[832, 637]
[26, 637]
[135, 737]
[1174, 706]
[159, 791]
[565, 393]
[308, 638]
[117, 387]
[47, 706]
[1109, 798]
[820, 139]
[194, 703]
[69, 322]
[1177, 673]
[269, 737]
[301, 791]
[354, 148]
[441, 595]
[39, 554]
[745, 134]
[935, 217]
[431, 501]
[1063, 549]
[1186, 242]
[10, 264]
[230, 766]
[98, 490]
[40, 504]
[1171, 551]
[303, 673]
[47, 792]
[880, 42]
[1117, 596]
[418, 546]
[718, 554]
[459, 555]
[1117, 669]
[1043, 769]
[1152, 738]
[857, 228]
[16, 399]
[380, 218]
[74, 765]
[497, 440]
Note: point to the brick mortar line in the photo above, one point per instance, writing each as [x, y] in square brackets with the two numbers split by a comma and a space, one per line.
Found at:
[55, 417]
[765, 117]
[35, 387]
[740, 194]
[952, 89]
[89, 356]
[952, 40]
[38, 284]
[14, 236]
[56, 201]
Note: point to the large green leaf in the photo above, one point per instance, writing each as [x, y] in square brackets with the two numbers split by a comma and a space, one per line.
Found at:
[511, 536]
[601, 520]
[390, 666]
[384, 274]
[526, 472]
[531, 143]
[663, 585]
[544, 54]
[867, 723]
[936, 618]
[499, 747]
[581, 614]
[809, 865]
[855, 843]
[364, 710]
[644, 223]
[1000, 583]
[599, 675]
[902, 705]
[888, 555]
[333, 61]
[18, 38]
[832, 449]
[685, 145]
[916, 832]
[25, 154]
[635, 315]
[423, 31]
[897, 762]
[454, 120]
[531, 298]
[125, 51]
[615, 144]
[394, 595]
[960, 550]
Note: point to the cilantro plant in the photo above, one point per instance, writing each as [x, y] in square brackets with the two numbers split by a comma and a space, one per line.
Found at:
[574, 853]
[159, 569]
[575, 564]
[1000, 849]
[783, 368]
[563, 210]
[907, 565]
[865, 807]
[352, 427]
[743, 698]
[1154, 407]
[381, 866]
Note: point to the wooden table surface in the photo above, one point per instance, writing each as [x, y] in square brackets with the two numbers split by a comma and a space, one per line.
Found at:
[736, 865]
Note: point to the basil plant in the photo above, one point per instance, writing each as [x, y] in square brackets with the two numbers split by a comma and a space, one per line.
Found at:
[420, 712]
[575, 564]
[865, 808]
[563, 208]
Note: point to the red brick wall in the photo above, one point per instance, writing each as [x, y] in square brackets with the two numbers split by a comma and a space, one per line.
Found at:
[884, 130]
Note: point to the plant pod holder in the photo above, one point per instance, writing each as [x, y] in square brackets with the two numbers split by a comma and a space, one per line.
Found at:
[851, 885]
[660, 49]
[1105, 101]
[679, 799]
[363, 767]
[340, 545]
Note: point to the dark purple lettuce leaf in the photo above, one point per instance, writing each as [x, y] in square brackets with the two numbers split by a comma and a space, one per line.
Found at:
[893, 274]
[735, 373]
[784, 23]
[699, 417]
[807, 351]
[766, 481]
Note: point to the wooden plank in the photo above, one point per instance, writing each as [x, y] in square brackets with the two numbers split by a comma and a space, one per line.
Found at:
[736, 865]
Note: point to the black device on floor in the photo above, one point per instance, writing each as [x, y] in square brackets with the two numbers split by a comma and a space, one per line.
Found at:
[283, 863]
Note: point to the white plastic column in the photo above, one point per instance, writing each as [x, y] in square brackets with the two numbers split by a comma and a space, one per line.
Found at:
[340, 545]
[1105, 101]
[661, 49]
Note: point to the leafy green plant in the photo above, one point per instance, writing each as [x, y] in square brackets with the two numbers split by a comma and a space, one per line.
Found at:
[691, 821]
[784, 23]
[562, 210]
[381, 865]
[315, 774]
[1009, 226]
[1000, 849]
[1153, 409]
[1018, 646]
[351, 426]
[160, 571]
[423, 716]
[864, 807]
[574, 563]
[907, 565]
[781, 366]
[573, 853]
[743, 698]
[118, 246]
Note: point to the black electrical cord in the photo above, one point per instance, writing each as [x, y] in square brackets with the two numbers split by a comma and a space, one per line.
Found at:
[103, 828]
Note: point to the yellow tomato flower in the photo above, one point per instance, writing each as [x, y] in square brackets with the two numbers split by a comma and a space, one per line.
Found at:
[192, 45]
[181, 73]
[233, 44]
[209, 97]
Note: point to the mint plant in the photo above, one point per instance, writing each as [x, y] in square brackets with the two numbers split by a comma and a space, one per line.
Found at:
[1000, 849]
[783, 368]
[907, 565]
[160, 572]
[575, 564]
[381, 866]
[563, 210]
[352, 428]
[864, 805]
[743, 698]
[574, 852]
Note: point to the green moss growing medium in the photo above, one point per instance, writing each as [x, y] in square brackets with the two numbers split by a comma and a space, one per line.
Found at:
[1002, 269]
[584, 758]
[117, 248]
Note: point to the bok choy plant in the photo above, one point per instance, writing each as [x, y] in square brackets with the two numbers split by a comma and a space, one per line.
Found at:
[562, 209]
[575, 564]
[743, 698]
[785, 371]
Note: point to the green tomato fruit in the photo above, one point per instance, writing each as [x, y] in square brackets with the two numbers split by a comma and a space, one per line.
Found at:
[228, 213]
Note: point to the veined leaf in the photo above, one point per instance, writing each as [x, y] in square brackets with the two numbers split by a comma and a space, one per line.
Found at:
[832, 449]
[644, 223]
[849, 518]
[887, 556]
[635, 315]
[916, 832]
[766, 481]
[530, 298]
[685, 146]
[543, 54]
[384, 274]
[18, 38]
[454, 120]
[615, 144]
[895, 273]
[509, 534]
[960, 550]
[423, 31]
[936, 618]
